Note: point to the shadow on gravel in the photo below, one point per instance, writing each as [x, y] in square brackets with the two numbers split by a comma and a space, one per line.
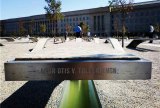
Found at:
[33, 94]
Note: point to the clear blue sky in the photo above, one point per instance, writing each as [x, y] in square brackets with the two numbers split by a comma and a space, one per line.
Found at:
[22, 8]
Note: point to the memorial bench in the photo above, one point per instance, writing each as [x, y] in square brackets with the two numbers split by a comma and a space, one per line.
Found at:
[135, 42]
[84, 70]
[1, 44]
[115, 44]
[117, 68]
[59, 39]
[40, 45]
[88, 39]
[33, 39]
[9, 39]
[80, 92]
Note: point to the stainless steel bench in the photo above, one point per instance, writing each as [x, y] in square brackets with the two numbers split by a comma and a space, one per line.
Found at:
[126, 67]
[135, 42]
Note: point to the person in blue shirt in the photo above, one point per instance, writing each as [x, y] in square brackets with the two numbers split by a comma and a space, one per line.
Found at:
[78, 31]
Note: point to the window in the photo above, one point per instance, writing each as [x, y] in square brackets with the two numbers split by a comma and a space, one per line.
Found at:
[80, 18]
[98, 22]
[83, 18]
[102, 22]
[76, 18]
[95, 23]
[142, 13]
[87, 23]
[87, 18]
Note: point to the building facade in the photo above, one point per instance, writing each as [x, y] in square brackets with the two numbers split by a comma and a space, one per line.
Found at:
[99, 20]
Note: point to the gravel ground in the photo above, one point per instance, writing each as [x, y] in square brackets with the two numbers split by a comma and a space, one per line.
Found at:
[134, 93]
[112, 93]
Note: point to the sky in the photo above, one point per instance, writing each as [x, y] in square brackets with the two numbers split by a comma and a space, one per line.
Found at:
[22, 8]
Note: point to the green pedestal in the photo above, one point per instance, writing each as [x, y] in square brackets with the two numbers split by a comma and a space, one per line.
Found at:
[80, 94]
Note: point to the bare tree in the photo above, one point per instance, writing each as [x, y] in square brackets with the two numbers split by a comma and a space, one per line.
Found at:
[68, 28]
[123, 7]
[31, 26]
[42, 28]
[116, 26]
[22, 30]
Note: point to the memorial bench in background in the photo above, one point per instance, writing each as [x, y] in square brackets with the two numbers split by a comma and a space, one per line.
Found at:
[135, 42]
[33, 39]
[115, 44]
[9, 39]
[1, 44]
[40, 45]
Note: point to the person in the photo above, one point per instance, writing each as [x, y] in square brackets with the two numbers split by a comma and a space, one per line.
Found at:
[66, 35]
[78, 31]
[89, 35]
[151, 32]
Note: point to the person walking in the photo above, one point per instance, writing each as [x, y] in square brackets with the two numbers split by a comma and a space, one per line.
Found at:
[89, 35]
[78, 31]
[151, 33]
[66, 34]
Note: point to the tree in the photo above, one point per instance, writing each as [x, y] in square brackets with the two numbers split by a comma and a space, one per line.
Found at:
[157, 27]
[123, 7]
[85, 27]
[116, 26]
[68, 28]
[53, 13]
[42, 28]
[31, 26]
[21, 27]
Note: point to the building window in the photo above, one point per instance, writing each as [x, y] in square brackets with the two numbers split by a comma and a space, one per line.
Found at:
[95, 23]
[158, 13]
[146, 13]
[73, 24]
[98, 22]
[87, 18]
[67, 19]
[102, 22]
[76, 18]
[87, 23]
[83, 18]
[80, 18]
